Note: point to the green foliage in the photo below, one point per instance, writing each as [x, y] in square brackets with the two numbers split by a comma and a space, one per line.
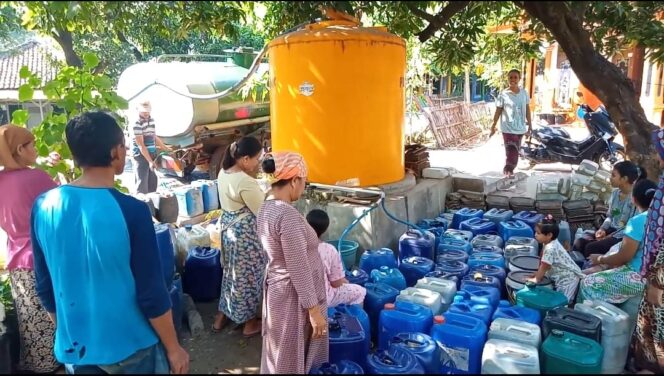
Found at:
[6, 293]
[73, 91]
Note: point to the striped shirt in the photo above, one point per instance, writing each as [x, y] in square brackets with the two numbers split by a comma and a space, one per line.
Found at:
[146, 129]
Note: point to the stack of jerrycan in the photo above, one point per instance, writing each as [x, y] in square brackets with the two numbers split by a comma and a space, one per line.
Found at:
[509, 358]
[422, 346]
[389, 276]
[202, 274]
[481, 294]
[423, 297]
[486, 258]
[615, 333]
[375, 258]
[454, 244]
[378, 294]
[564, 352]
[491, 271]
[393, 361]
[511, 228]
[436, 226]
[402, 317]
[572, 321]
[416, 243]
[478, 279]
[343, 367]
[487, 249]
[463, 215]
[446, 288]
[415, 267]
[209, 193]
[478, 226]
[458, 234]
[452, 255]
[347, 338]
[464, 305]
[540, 298]
[518, 331]
[508, 311]
[498, 215]
[461, 339]
[487, 240]
[362, 317]
[456, 268]
[531, 218]
[440, 273]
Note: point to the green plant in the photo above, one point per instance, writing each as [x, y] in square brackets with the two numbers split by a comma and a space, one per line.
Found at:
[72, 92]
[6, 293]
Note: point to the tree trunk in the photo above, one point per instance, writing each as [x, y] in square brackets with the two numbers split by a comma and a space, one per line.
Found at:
[602, 77]
[64, 39]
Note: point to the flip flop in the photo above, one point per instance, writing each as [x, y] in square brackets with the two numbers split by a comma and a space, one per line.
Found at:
[253, 334]
[218, 330]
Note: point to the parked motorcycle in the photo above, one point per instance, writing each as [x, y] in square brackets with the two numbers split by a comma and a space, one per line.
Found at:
[553, 145]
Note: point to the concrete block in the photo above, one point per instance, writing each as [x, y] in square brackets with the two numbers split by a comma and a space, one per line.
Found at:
[468, 182]
[436, 173]
[427, 199]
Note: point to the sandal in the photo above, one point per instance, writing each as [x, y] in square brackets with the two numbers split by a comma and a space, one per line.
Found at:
[218, 330]
[253, 334]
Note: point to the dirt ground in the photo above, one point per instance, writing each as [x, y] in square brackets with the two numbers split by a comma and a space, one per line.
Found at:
[221, 353]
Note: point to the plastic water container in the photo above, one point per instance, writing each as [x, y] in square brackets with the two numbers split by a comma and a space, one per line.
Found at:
[481, 280]
[461, 340]
[463, 215]
[616, 333]
[506, 310]
[444, 275]
[513, 251]
[487, 249]
[361, 315]
[457, 268]
[209, 192]
[485, 258]
[452, 255]
[347, 338]
[478, 226]
[202, 274]
[509, 358]
[166, 251]
[415, 243]
[393, 361]
[166, 206]
[498, 215]
[190, 201]
[454, 244]
[508, 229]
[402, 317]
[487, 240]
[458, 234]
[342, 367]
[516, 331]
[348, 251]
[415, 267]
[572, 321]
[438, 222]
[490, 270]
[588, 167]
[564, 352]
[389, 276]
[176, 302]
[188, 237]
[357, 277]
[522, 241]
[375, 258]
[445, 288]
[425, 298]
[438, 233]
[378, 294]
[524, 263]
[516, 281]
[481, 294]
[531, 218]
[467, 307]
[565, 235]
[539, 298]
[422, 346]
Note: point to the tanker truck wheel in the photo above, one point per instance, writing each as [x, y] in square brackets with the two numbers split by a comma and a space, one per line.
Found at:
[215, 161]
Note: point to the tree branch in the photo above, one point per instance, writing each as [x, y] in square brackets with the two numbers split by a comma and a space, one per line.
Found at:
[65, 40]
[134, 50]
[420, 13]
[438, 21]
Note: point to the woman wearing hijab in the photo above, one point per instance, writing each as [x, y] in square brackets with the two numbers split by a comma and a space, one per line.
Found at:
[648, 338]
[20, 186]
[294, 299]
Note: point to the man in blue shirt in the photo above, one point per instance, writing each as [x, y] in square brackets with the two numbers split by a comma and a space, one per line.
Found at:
[97, 266]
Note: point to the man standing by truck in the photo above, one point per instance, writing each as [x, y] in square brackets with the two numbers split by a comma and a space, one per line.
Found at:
[144, 149]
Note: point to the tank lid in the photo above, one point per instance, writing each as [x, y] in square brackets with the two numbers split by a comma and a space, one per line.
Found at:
[389, 306]
[438, 319]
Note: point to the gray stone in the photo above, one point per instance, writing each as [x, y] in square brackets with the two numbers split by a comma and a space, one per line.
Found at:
[194, 318]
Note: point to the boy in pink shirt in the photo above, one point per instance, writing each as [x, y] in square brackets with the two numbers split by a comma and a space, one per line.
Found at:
[339, 291]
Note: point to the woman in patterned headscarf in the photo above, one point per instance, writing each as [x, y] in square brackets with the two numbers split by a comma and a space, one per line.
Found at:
[20, 186]
[294, 300]
[648, 339]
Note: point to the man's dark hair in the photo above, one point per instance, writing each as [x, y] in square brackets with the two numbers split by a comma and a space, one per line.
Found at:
[319, 221]
[91, 136]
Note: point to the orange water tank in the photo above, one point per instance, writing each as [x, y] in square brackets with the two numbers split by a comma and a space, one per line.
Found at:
[337, 95]
[589, 98]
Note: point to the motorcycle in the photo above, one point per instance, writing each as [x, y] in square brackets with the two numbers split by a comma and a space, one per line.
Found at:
[554, 145]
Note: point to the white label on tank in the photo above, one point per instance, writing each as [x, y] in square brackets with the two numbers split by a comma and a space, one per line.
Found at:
[307, 89]
[454, 357]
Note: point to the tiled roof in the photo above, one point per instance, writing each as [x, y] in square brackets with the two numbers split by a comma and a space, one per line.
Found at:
[38, 56]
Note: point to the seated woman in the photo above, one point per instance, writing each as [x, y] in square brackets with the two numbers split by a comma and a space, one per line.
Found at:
[620, 210]
[623, 281]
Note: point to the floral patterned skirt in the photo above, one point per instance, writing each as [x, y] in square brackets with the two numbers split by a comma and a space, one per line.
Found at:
[35, 327]
[614, 286]
[244, 267]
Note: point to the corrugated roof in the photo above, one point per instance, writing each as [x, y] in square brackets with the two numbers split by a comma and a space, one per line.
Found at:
[38, 56]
